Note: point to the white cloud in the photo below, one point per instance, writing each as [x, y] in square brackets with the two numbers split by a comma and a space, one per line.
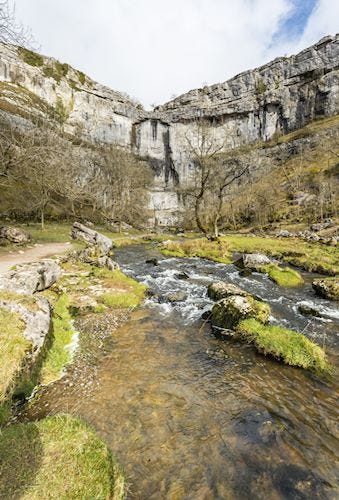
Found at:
[155, 48]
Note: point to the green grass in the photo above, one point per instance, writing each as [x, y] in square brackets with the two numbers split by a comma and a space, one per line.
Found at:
[59, 457]
[291, 347]
[27, 301]
[126, 292]
[216, 251]
[58, 355]
[283, 276]
[313, 257]
[13, 349]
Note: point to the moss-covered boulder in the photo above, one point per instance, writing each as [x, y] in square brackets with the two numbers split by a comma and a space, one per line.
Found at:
[228, 312]
[327, 288]
[290, 347]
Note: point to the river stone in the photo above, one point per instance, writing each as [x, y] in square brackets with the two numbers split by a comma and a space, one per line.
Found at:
[9, 234]
[93, 238]
[307, 310]
[253, 261]
[328, 288]
[182, 276]
[152, 261]
[228, 312]
[173, 297]
[31, 278]
[221, 290]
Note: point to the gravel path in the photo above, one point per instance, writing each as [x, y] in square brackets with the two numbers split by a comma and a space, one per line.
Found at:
[31, 254]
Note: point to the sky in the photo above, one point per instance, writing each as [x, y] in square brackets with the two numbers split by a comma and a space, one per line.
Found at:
[155, 50]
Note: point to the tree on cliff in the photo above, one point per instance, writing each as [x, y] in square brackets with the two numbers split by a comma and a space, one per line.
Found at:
[215, 172]
[10, 30]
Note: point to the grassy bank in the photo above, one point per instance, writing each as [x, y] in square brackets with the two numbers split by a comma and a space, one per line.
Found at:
[59, 354]
[58, 457]
[291, 347]
[313, 257]
[13, 349]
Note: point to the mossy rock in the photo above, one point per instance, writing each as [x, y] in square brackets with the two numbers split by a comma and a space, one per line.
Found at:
[290, 347]
[227, 313]
[327, 288]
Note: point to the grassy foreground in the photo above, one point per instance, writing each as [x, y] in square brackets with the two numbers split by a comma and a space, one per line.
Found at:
[291, 347]
[59, 457]
[13, 348]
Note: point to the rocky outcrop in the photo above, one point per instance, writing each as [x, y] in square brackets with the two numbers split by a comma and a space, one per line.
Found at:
[91, 256]
[80, 232]
[328, 288]
[276, 98]
[9, 234]
[31, 278]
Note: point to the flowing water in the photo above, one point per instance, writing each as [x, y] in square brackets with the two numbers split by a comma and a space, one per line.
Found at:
[192, 416]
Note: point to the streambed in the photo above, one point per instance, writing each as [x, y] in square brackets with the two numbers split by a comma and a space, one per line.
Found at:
[192, 416]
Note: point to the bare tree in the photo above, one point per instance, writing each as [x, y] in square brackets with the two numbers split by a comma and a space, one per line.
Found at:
[216, 170]
[10, 30]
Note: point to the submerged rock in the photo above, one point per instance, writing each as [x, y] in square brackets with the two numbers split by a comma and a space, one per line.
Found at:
[93, 238]
[253, 261]
[328, 288]
[152, 261]
[182, 276]
[9, 234]
[173, 297]
[307, 310]
[221, 290]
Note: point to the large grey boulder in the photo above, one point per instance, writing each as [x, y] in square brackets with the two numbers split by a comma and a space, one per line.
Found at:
[92, 238]
[253, 261]
[31, 278]
[9, 234]
[222, 290]
[35, 313]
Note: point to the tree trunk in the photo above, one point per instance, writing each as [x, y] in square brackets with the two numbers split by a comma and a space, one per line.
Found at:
[42, 218]
[197, 216]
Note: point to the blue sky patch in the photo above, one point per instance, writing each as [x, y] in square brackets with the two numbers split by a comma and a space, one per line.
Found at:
[294, 24]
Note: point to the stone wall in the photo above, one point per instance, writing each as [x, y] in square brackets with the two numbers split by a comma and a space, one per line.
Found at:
[278, 97]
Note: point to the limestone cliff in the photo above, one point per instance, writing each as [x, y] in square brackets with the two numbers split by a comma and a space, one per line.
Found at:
[278, 97]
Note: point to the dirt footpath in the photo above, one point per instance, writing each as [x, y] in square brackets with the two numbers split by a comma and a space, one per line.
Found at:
[37, 252]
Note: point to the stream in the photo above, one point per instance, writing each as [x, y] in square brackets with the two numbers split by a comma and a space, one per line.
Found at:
[193, 416]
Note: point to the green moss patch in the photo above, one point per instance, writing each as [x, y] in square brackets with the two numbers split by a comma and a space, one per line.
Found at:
[283, 276]
[59, 354]
[13, 349]
[30, 57]
[291, 347]
[58, 457]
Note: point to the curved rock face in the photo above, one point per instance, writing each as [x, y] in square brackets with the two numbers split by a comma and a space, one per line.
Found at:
[280, 96]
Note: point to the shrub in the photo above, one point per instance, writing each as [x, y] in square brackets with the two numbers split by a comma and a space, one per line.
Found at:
[30, 57]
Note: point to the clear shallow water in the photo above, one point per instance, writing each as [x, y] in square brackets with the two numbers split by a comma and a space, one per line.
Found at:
[192, 416]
